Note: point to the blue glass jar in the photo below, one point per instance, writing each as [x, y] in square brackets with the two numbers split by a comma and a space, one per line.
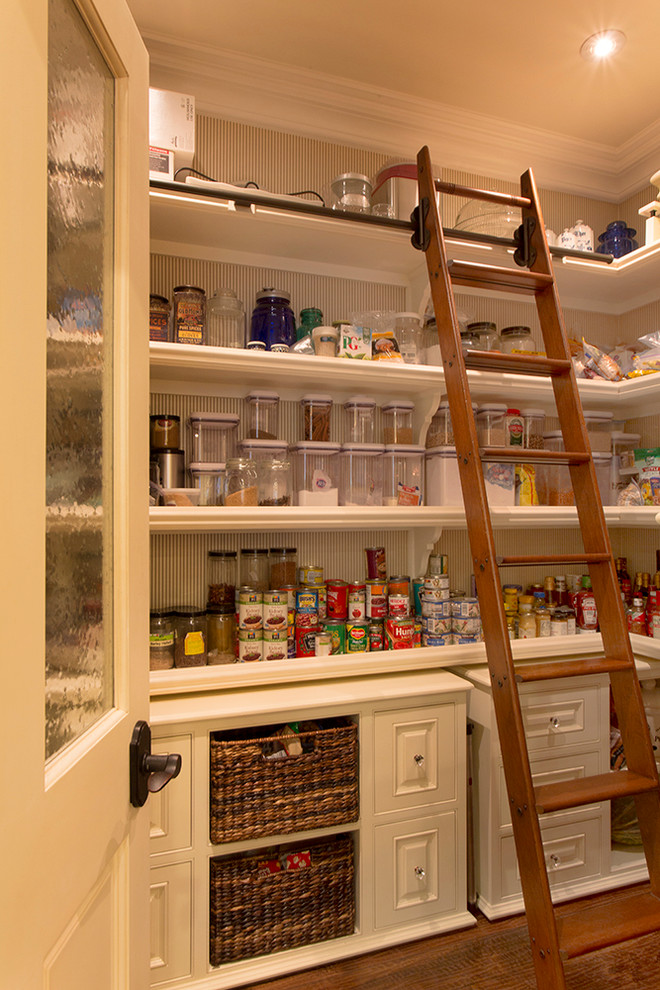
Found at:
[273, 322]
[617, 240]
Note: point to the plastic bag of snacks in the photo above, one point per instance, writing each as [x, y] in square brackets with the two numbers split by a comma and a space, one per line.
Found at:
[648, 360]
[598, 364]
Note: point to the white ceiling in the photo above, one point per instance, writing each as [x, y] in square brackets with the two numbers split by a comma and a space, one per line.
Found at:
[515, 61]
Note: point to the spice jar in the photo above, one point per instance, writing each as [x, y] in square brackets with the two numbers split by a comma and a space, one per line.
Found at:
[241, 482]
[190, 642]
[161, 640]
[263, 414]
[189, 321]
[159, 318]
[164, 431]
[221, 577]
[254, 569]
[316, 412]
[359, 419]
[517, 340]
[225, 318]
[398, 421]
[283, 566]
[221, 634]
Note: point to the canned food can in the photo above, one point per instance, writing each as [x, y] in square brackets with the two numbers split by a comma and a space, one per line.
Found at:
[357, 637]
[376, 599]
[436, 581]
[376, 635]
[436, 626]
[435, 595]
[376, 563]
[357, 606]
[399, 633]
[323, 601]
[398, 605]
[275, 612]
[290, 590]
[307, 600]
[310, 574]
[275, 645]
[465, 608]
[466, 627]
[337, 632]
[439, 639]
[247, 595]
[418, 587]
[306, 642]
[436, 609]
[399, 585]
[307, 620]
[250, 614]
[323, 644]
[337, 599]
[417, 633]
[465, 640]
[250, 645]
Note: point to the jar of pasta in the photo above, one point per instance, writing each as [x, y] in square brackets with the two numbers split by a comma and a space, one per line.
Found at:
[316, 412]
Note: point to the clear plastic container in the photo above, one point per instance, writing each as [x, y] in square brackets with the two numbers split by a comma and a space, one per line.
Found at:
[491, 424]
[554, 480]
[161, 640]
[361, 475]
[221, 634]
[225, 320]
[283, 567]
[352, 192]
[241, 486]
[190, 646]
[316, 473]
[209, 479]
[263, 414]
[403, 474]
[603, 468]
[212, 436]
[443, 483]
[398, 422]
[599, 428]
[359, 414]
[254, 569]
[274, 481]
[316, 410]
[623, 461]
[533, 428]
[221, 577]
[408, 334]
[517, 340]
[486, 335]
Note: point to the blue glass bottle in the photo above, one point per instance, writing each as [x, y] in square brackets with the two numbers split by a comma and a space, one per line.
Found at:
[617, 240]
[273, 322]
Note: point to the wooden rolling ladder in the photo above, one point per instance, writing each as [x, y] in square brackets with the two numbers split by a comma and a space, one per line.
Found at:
[552, 940]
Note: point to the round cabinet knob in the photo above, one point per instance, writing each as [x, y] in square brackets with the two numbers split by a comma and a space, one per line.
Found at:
[419, 759]
[555, 860]
[420, 872]
[554, 722]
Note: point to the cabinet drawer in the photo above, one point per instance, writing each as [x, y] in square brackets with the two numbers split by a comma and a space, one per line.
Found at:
[415, 869]
[414, 757]
[171, 809]
[572, 851]
[553, 770]
[171, 913]
[557, 719]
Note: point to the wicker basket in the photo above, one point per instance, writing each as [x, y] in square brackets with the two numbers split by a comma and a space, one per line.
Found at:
[254, 914]
[252, 796]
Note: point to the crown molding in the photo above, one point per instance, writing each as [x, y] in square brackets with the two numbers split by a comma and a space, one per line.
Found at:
[286, 97]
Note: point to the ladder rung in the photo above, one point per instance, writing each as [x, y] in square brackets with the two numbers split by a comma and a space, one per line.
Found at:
[502, 279]
[599, 926]
[565, 558]
[519, 364]
[530, 455]
[591, 790]
[575, 667]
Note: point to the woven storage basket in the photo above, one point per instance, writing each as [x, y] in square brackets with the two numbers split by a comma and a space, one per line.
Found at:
[252, 796]
[253, 914]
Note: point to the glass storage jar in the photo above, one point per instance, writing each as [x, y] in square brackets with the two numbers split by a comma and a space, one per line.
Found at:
[403, 474]
[316, 473]
[408, 335]
[351, 192]
[221, 577]
[359, 419]
[209, 478]
[161, 640]
[361, 474]
[263, 414]
[491, 424]
[316, 413]
[274, 481]
[283, 567]
[397, 418]
[273, 322]
[190, 644]
[225, 320]
[221, 634]
[212, 436]
[240, 486]
[164, 431]
[486, 335]
[517, 340]
[189, 315]
[159, 318]
[309, 318]
[254, 568]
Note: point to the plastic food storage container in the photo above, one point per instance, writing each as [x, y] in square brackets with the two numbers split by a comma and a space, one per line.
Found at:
[443, 483]
[533, 428]
[283, 566]
[181, 496]
[599, 428]
[441, 432]
[623, 461]
[225, 320]
[408, 334]
[554, 480]
[209, 478]
[351, 191]
[603, 468]
[316, 473]
[361, 474]
[263, 414]
[491, 424]
[212, 436]
[316, 410]
[359, 412]
[398, 422]
[403, 470]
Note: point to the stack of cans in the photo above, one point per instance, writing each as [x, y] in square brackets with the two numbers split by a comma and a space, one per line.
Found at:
[436, 611]
[465, 621]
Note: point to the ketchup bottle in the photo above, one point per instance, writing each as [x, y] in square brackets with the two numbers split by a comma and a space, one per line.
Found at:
[586, 612]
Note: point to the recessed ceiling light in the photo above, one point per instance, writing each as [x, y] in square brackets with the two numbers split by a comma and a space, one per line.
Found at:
[602, 45]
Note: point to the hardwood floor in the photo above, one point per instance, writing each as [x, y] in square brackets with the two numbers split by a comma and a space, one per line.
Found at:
[491, 956]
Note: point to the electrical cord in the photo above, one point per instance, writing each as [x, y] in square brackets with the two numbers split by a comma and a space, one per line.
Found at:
[250, 183]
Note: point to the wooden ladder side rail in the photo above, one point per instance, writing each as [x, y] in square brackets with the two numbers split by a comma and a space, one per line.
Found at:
[625, 685]
[536, 887]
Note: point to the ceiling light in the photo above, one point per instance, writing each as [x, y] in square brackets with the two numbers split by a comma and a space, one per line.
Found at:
[602, 45]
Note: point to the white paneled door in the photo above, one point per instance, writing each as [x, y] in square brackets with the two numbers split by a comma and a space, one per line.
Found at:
[73, 495]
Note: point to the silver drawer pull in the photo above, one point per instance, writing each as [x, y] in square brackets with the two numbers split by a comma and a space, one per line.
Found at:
[554, 722]
[555, 860]
[420, 872]
[419, 759]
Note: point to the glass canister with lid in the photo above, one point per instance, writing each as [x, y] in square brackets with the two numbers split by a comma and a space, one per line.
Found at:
[221, 634]
[485, 334]
[273, 322]
[221, 577]
[190, 649]
[159, 318]
[241, 482]
[397, 418]
[359, 413]
[283, 565]
[189, 315]
[212, 436]
[225, 320]
[408, 334]
[161, 640]
[316, 410]
[517, 340]
[254, 568]
[351, 192]
[361, 477]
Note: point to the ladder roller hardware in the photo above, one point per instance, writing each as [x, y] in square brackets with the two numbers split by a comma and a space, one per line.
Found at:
[552, 941]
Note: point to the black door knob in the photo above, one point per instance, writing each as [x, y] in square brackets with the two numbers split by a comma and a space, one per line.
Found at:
[149, 771]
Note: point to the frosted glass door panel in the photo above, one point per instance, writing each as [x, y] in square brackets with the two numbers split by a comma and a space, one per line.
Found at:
[79, 668]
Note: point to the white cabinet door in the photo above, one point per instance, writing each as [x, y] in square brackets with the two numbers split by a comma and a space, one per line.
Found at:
[74, 286]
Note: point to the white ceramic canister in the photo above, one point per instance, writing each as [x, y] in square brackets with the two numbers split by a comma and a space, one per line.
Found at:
[584, 236]
[566, 239]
